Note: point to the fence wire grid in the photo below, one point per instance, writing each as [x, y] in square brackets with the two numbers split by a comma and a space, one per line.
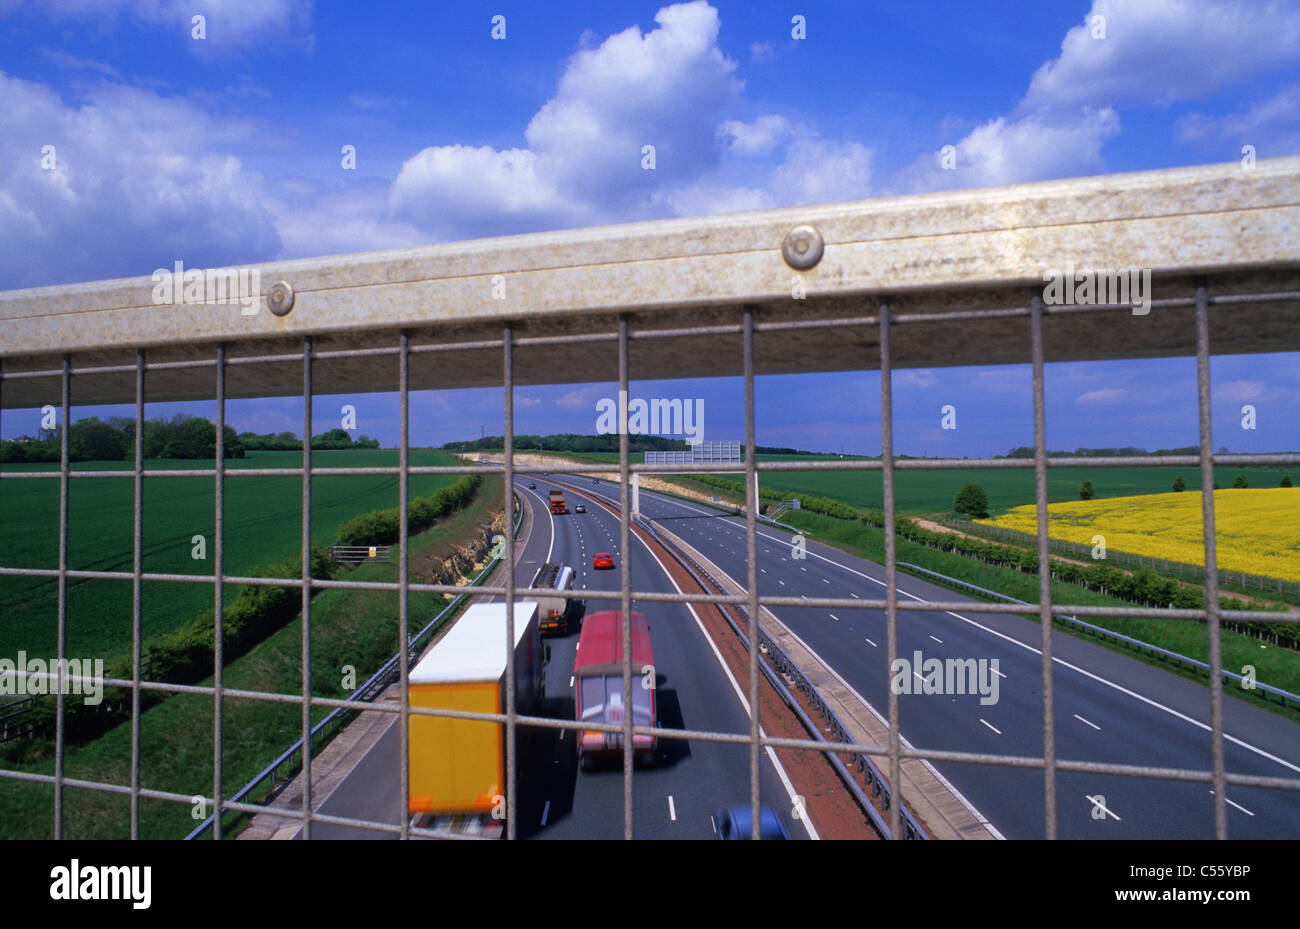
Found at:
[876, 316]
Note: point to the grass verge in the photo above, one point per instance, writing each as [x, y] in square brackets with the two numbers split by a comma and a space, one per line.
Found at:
[348, 627]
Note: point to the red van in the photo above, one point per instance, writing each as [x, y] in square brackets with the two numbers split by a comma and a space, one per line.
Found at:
[598, 673]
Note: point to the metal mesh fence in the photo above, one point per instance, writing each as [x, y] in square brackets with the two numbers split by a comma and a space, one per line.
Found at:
[878, 319]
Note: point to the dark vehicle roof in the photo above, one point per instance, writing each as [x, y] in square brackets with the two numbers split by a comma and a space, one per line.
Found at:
[600, 650]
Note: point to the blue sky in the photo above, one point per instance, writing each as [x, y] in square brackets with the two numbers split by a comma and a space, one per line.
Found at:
[228, 150]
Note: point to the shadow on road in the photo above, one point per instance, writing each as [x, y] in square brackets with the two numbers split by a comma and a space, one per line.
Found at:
[548, 771]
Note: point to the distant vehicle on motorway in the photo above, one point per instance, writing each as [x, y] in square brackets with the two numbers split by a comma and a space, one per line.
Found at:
[598, 697]
[579, 508]
[595, 480]
[532, 485]
[735, 822]
[557, 614]
[602, 560]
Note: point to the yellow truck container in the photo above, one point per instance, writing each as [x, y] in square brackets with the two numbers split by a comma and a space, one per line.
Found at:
[457, 766]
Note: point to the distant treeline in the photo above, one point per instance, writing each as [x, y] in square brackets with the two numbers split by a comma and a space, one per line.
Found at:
[183, 436]
[1026, 451]
[288, 442]
[569, 442]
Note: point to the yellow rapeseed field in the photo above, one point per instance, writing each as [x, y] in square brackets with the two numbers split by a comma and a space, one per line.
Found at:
[1258, 530]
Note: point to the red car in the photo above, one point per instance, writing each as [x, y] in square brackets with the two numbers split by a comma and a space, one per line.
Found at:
[602, 560]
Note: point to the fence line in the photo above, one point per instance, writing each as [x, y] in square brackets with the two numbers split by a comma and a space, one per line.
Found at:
[1263, 583]
[358, 554]
[14, 718]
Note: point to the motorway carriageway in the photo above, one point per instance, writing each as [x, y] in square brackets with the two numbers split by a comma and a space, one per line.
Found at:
[673, 799]
[1109, 707]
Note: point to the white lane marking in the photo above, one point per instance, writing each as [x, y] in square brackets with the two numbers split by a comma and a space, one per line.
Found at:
[990, 725]
[1085, 722]
[834, 617]
[713, 823]
[940, 641]
[1237, 805]
[855, 596]
[562, 732]
[1101, 680]
[570, 680]
[782, 583]
[825, 580]
[546, 810]
[918, 674]
[961, 798]
[1137, 696]
[1102, 806]
[872, 644]
[546, 509]
[672, 810]
[998, 673]
[764, 570]
[735, 686]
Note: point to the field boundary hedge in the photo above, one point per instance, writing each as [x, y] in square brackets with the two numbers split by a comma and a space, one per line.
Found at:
[1143, 586]
[827, 506]
[186, 654]
[383, 527]
[1263, 582]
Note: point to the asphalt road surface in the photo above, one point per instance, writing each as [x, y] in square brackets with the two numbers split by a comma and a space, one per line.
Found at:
[674, 798]
[1109, 707]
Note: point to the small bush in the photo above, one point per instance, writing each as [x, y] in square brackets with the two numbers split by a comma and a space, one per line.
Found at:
[972, 500]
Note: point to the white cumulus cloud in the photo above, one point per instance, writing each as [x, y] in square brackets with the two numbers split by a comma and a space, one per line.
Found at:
[1102, 396]
[587, 144]
[1240, 391]
[132, 184]
[1157, 52]
[757, 137]
[1271, 125]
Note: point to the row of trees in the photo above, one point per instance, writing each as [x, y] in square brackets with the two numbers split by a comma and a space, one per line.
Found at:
[827, 506]
[1127, 451]
[1143, 586]
[288, 442]
[383, 527]
[972, 500]
[570, 442]
[92, 439]
[183, 436]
